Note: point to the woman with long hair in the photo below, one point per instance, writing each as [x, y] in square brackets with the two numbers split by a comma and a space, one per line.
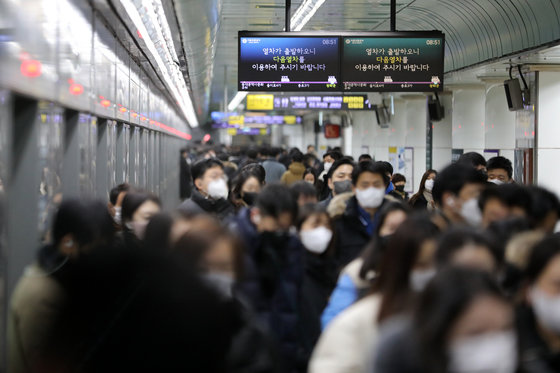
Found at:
[423, 199]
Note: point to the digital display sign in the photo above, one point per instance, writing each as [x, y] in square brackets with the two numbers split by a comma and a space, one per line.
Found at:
[321, 102]
[288, 62]
[393, 62]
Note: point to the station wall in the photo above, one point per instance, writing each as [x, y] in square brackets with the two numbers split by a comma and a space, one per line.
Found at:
[548, 131]
[476, 119]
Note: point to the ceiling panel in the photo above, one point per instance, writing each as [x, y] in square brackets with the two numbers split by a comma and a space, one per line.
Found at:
[476, 31]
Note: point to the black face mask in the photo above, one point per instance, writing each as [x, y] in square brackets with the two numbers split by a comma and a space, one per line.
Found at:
[484, 173]
[342, 186]
[250, 198]
[399, 188]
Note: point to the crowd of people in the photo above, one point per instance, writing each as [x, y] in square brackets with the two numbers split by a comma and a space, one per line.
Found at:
[276, 261]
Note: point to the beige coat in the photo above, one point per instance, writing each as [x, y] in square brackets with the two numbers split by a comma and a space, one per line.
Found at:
[294, 173]
[346, 343]
[35, 305]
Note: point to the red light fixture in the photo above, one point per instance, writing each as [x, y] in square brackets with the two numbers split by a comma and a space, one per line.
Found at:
[76, 89]
[152, 121]
[134, 115]
[122, 109]
[30, 68]
[206, 137]
[105, 103]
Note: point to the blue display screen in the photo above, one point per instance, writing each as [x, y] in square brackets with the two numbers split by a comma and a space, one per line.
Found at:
[290, 63]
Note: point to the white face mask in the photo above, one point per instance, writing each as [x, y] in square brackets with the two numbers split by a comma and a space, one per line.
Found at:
[471, 212]
[497, 181]
[546, 308]
[327, 166]
[138, 227]
[419, 278]
[487, 353]
[316, 240]
[222, 282]
[370, 197]
[429, 185]
[118, 215]
[218, 189]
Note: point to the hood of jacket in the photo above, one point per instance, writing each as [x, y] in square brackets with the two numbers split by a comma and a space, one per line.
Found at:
[337, 205]
[297, 168]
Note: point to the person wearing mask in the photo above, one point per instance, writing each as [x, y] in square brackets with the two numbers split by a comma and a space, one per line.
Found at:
[114, 205]
[217, 256]
[461, 324]
[310, 176]
[339, 179]
[390, 188]
[273, 169]
[185, 178]
[356, 278]
[328, 160]
[304, 193]
[500, 170]
[38, 333]
[456, 191]
[316, 235]
[211, 190]
[274, 270]
[399, 181]
[423, 199]
[138, 209]
[538, 316]
[355, 227]
[296, 169]
[346, 342]
[504, 201]
[247, 185]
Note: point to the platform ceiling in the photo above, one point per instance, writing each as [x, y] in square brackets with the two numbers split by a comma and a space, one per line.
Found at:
[476, 31]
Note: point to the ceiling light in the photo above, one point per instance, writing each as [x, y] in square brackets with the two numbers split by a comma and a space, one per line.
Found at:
[149, 16]
[240, 96]
[304, 13]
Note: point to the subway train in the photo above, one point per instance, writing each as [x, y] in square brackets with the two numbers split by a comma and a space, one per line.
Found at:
[101, 92]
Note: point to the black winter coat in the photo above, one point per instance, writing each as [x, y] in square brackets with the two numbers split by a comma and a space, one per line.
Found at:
[198, 204]
[272, 285]
[350, 234]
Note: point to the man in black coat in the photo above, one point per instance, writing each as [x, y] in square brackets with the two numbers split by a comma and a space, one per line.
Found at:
[211, 190]
[274, 270]
[354, 228]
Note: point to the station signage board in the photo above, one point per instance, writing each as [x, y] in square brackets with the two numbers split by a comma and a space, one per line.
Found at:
[407, 61]
[412, 62]
[288, 62]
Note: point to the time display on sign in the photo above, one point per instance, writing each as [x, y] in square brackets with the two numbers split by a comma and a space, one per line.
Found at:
[409, 63]
[288, 63]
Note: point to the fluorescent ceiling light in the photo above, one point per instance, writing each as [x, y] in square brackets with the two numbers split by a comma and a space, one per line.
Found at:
[304, 13]
[240, 96]
[150, 15]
